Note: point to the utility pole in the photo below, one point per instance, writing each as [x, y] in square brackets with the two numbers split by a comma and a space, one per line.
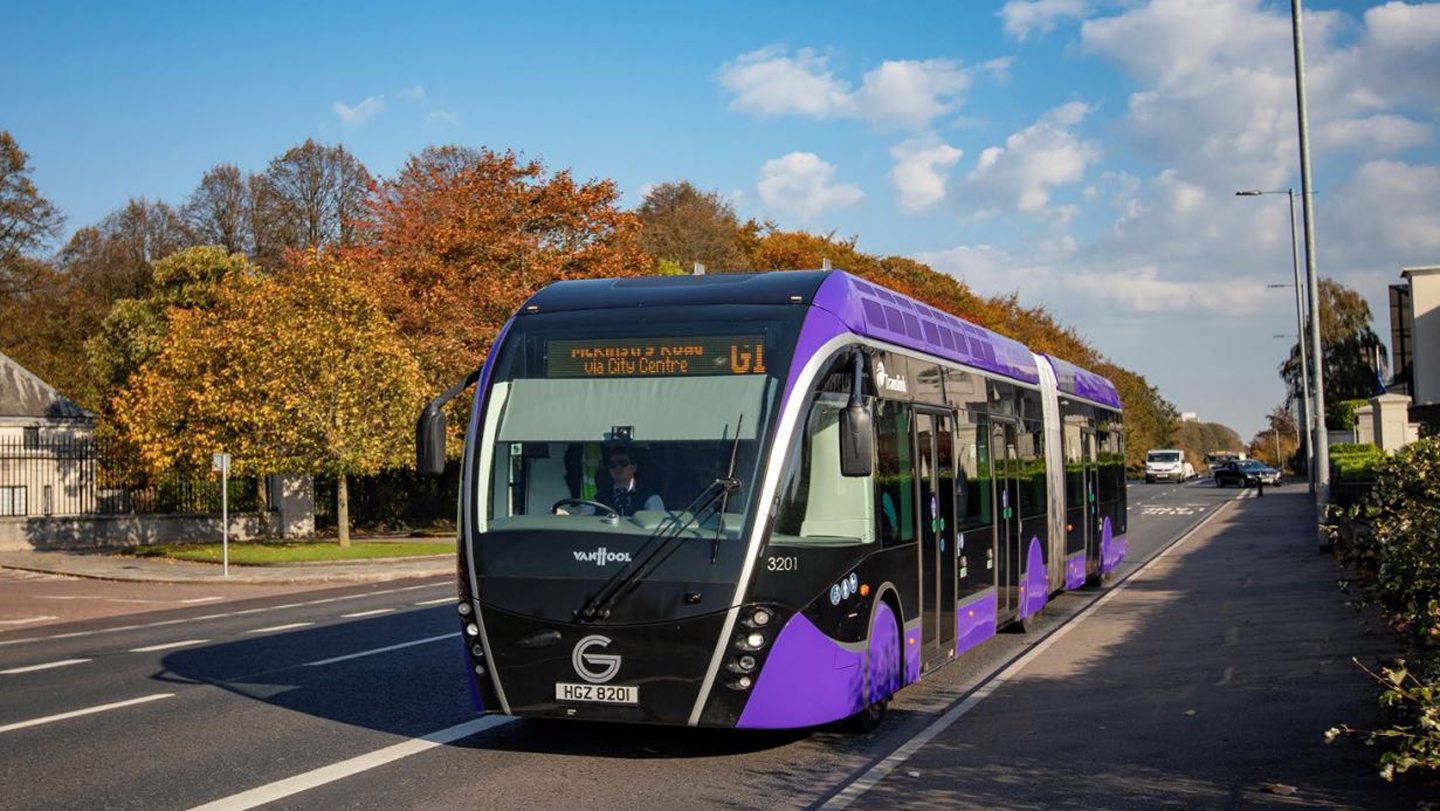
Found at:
[1321, 443]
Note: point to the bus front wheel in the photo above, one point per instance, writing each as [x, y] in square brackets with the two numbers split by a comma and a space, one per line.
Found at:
[868, 719]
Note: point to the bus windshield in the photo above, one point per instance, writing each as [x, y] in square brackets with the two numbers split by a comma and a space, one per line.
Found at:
[620, 429]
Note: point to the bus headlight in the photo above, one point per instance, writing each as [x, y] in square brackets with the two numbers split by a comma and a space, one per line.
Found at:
[751, 641]
[744, 663]
[464, 608]
[472, 630]
[760, 618]
[478, 652]
[742, 683]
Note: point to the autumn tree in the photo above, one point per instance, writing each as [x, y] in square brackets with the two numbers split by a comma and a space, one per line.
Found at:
[684, 225]
[461, 237]
[310, 197]
[28, 221]
[113, 257]
[1277, 443]
[296, 373]
[135, 328]
[1354, 357]
[221, 212]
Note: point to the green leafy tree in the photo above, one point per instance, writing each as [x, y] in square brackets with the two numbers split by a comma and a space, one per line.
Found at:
[681, 224]
[1355, 358]
[300, 373]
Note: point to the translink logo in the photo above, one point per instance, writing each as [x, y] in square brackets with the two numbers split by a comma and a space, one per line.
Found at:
[602, 556]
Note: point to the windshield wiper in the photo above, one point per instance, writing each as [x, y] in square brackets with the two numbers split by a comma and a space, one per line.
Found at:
[647, 556]
[730, 485]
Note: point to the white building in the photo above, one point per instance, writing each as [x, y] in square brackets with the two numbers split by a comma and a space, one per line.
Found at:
[41, 432]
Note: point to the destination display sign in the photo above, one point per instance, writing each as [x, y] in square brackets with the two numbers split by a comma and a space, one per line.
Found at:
[656, 357]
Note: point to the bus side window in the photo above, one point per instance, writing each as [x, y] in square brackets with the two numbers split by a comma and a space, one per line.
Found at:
[894, 473]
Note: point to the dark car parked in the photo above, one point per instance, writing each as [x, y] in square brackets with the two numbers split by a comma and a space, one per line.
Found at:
[1246, 473]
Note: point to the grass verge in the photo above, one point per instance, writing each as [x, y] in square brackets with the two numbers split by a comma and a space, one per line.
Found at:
[261, 553]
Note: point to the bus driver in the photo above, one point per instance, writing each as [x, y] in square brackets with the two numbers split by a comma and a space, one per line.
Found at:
[627, 495]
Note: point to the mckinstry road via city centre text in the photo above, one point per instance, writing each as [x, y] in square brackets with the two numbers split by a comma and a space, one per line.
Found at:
[356, 698]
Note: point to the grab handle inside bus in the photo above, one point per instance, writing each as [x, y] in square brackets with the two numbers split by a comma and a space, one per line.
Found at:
[857, 433]
[430, 429]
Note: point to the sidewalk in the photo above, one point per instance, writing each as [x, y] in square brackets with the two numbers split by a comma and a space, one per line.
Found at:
[106, 565]
[1207, 680]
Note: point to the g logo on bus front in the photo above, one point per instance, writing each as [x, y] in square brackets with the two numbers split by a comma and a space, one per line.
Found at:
[596, 668]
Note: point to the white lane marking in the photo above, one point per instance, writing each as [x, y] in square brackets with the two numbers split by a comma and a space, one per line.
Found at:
[425, 641]
[163, 623]
[194, 600]
[279, 628]
[46, 666]
[168, 646]
[876, 773]
[34, 722]
[337, 771]
[372, 612]
[437, 602]
[27, 620]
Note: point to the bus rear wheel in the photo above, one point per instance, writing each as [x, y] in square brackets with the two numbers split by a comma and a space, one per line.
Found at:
[868, 719]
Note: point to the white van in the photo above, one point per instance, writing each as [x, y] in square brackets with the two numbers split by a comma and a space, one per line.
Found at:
[1168, 464]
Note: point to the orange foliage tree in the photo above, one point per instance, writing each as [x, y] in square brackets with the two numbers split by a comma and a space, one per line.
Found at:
[457, 241]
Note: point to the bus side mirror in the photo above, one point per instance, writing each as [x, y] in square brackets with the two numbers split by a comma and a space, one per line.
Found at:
[857, 441]
[430, 442]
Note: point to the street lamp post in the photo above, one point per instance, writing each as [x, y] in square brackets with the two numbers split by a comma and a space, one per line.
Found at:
[1306, 411]
[1312, 280]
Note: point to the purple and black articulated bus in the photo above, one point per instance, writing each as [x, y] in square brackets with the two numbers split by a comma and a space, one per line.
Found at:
[839, 489]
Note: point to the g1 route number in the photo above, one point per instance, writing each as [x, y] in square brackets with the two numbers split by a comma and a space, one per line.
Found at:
[782, 563]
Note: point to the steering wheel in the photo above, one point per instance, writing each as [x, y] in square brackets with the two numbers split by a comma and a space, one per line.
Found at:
[604, 509]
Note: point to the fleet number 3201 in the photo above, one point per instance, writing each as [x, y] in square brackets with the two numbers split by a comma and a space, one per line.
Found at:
[782, 563]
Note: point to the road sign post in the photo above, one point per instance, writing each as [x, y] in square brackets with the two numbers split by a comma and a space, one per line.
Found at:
[221, 462]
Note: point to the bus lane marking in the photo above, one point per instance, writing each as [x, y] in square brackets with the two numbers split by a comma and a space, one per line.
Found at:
[872, 776]
[372, 612]
[226, 615]
[35, 722]
[285, 627]
[386, 649]
[168, 646]
[337, 771]
[25, 620]
[47, 666]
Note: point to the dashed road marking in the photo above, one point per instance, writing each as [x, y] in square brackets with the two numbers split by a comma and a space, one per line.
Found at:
[35, 722]
[47, 666]
[274, 628]
[372, 612]
[168, 645]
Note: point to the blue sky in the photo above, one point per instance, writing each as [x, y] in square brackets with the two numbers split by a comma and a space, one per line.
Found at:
[1083, 153]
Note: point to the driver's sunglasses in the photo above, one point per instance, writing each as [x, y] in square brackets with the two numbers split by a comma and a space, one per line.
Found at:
[616, 463]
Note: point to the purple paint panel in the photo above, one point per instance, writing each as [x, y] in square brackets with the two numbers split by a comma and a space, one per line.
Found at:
[1112, 550]
[975, 621]
[1072, 379]
[912, 655]
[808, 679]
[819, 327]
[1035, 588]
[909, 323]
[885, 662]
[1075, 570]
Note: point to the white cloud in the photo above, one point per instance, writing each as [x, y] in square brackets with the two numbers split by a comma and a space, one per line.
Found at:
[1033, 162]
[899, 94]
[360, 112]
[1385, 134]
[909, 95]
[921, 170]
[1021, 17]
[415, 94]
[803, 185]
[769, 82]
[443, 117]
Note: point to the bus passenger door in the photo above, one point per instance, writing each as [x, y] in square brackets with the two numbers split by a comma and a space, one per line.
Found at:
[935, 460]
[1089, 460]
[1009, 558]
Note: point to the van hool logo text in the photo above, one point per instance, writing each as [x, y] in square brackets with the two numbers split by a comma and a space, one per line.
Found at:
[602, 556]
